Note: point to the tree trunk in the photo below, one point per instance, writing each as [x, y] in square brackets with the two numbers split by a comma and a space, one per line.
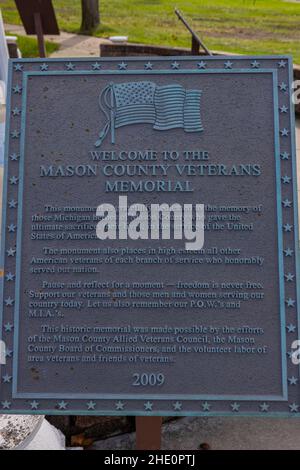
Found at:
[90, 15]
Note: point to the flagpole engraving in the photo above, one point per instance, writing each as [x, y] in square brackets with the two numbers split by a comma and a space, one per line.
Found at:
[164, 106]
[112, 115]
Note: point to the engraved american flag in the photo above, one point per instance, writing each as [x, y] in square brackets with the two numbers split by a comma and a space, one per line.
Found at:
[165, 107]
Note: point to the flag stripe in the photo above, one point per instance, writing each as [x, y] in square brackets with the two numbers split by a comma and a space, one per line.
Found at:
[169, 102]
[167, 127]
[135, 114]
[191, 112]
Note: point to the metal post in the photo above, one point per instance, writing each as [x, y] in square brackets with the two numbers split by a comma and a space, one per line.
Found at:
[195, 46]
[40, 34]
[195, 37]
[148, 432]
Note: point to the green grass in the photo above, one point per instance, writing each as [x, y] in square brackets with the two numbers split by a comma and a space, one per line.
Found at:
[28, 46]
[242, 26]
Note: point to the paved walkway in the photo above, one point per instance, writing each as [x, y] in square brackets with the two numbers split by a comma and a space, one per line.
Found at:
[71, 45]
[234, 433]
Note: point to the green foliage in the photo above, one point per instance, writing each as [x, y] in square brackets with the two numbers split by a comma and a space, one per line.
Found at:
[29, 48]
[242, 26]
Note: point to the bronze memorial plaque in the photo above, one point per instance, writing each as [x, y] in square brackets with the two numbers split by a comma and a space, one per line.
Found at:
[150, 238]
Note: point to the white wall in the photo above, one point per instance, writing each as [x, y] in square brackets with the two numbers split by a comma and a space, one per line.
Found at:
[3, 53]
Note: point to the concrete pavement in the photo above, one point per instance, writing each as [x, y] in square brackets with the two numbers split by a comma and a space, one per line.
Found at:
[70, 45]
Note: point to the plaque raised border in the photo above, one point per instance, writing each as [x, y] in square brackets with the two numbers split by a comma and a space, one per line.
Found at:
[286, 404]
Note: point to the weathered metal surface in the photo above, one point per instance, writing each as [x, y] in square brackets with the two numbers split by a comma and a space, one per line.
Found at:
[144, 327]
